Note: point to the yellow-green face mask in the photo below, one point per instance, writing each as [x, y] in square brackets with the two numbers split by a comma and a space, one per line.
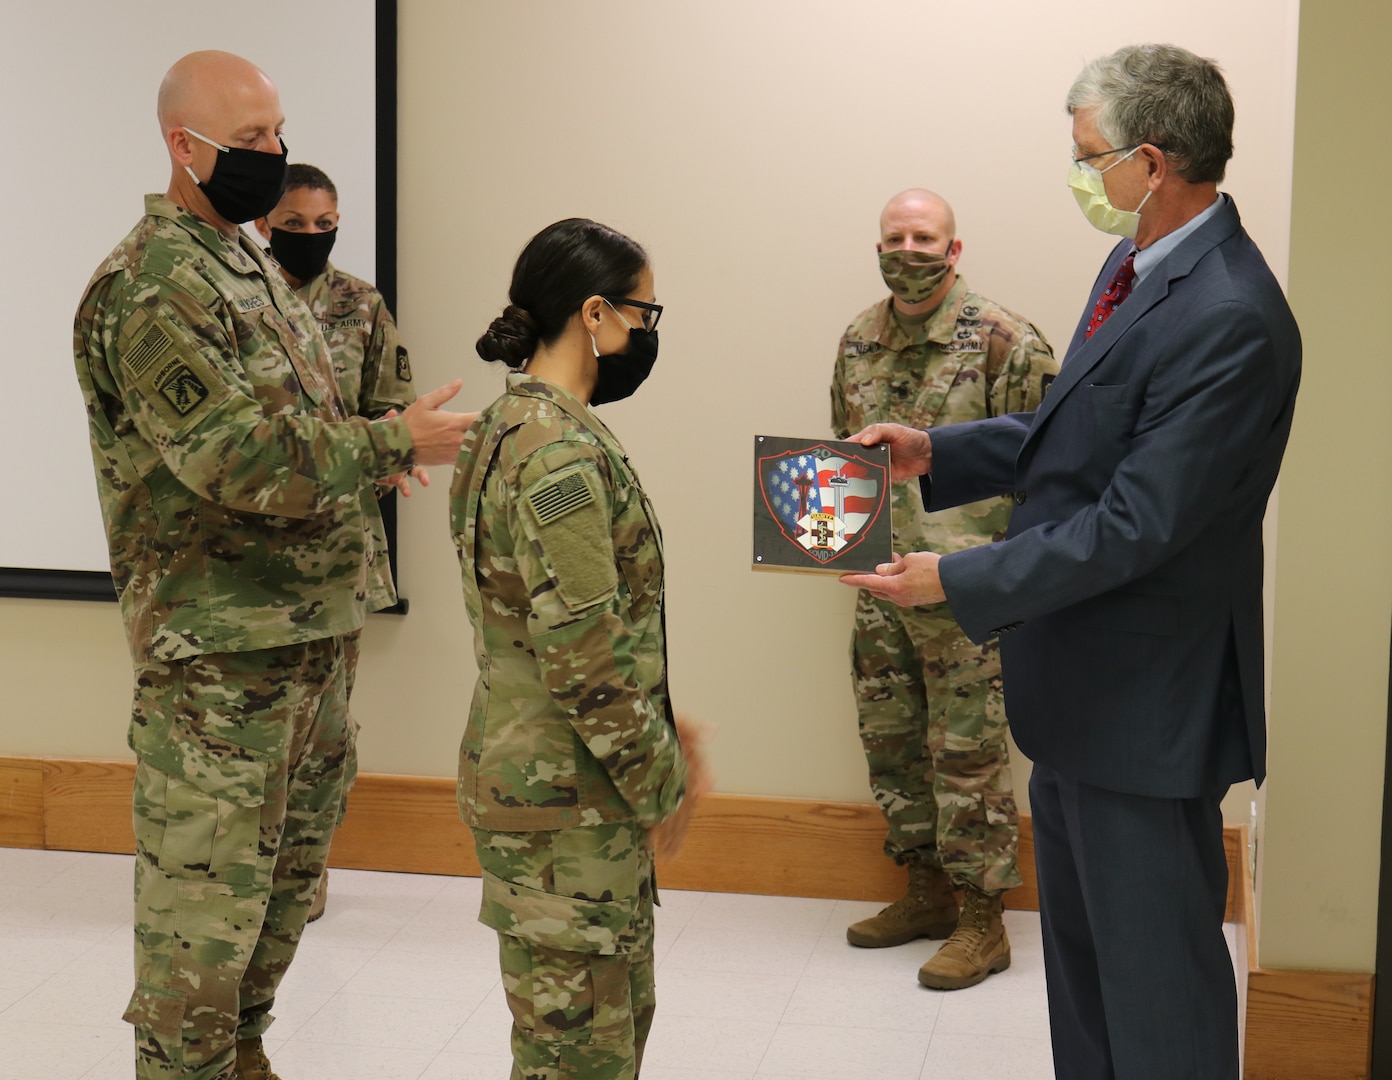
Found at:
[1091, 194]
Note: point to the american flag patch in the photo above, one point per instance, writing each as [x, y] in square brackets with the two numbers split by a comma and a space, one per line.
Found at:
[560, 498]
[147, 350]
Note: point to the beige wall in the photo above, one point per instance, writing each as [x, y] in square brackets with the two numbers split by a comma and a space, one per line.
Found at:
[1323, 802]
[750, 147]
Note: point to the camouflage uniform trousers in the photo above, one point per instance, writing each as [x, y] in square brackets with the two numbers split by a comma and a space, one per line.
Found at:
[932, 723]
[352, 649]
[574, 913]
[237, 787]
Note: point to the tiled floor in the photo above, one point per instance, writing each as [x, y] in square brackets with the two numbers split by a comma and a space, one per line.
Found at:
[399, 981]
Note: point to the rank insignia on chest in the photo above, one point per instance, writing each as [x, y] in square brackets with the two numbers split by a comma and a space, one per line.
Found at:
[820, 506]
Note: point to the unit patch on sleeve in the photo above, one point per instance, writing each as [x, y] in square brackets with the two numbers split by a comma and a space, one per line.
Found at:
[403, 364]
[184, 390]
[170, 374]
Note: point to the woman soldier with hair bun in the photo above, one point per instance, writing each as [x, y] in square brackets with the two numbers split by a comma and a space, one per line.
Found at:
[572, 755]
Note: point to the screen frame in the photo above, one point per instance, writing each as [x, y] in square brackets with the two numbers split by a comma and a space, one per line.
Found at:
[93, 585]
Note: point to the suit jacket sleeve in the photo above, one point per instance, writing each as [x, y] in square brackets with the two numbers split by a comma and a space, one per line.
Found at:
[1207, 405]
[974, 461]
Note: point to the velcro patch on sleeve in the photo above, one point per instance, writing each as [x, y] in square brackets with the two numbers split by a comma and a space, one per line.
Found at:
[177, 383]
[151, 345]
[559, 497]
[572, 535]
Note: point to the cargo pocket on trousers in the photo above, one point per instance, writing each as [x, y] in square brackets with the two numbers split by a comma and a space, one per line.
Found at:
[568, 923]
[565, 962]
[200, 826]
[157, 1015]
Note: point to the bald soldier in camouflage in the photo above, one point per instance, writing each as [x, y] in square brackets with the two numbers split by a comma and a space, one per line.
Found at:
[235, 492]
[930, 704]
[371, 367]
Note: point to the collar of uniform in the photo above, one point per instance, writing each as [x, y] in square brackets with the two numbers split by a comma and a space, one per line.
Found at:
[939, 327]
[235, 252]
[525, 385]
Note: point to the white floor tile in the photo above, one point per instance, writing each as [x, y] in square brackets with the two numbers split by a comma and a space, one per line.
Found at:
[739, 952]
[30, 956]
[409, 975]
[896, 1005]
[717, 996]
[836, 1053]
[780, 914]
[49, 1051]
[26, 868]
[471, 1067]
[424, 1024]
[834, 957]
[958, 1056]
[301, 1057]
[988, 1009]
[731, 1046]
[117, 1065]
[92, 991]
[400, 980]
[488, 1029]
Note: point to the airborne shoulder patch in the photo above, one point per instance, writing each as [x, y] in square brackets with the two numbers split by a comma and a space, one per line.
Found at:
[183, 389]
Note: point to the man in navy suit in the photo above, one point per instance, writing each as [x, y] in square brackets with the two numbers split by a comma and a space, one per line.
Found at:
[1127, 593]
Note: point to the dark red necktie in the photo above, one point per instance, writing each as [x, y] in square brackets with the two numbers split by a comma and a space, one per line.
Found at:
[1112, 296]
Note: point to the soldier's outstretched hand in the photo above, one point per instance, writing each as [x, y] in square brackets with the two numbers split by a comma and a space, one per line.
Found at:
[910, 450]
[436, 434]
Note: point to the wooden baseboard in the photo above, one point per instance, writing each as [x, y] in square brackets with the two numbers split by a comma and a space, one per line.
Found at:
[1302, 1025]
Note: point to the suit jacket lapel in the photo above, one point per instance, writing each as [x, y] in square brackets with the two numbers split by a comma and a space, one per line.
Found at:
[1085, 353]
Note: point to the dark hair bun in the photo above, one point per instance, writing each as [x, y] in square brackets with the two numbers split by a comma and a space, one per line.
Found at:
[512, 337]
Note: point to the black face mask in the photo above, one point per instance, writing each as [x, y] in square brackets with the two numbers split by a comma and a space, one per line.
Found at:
[246, 184]
[304, 254]
[620, 374]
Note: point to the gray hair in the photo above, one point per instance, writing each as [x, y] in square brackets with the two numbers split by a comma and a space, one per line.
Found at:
[1165, 96]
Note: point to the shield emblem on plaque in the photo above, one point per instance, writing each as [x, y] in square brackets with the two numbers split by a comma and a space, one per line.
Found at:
[820, 505]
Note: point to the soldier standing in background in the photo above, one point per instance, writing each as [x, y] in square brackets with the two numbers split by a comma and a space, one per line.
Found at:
[371, 367]
[930, 705]
[235, 493]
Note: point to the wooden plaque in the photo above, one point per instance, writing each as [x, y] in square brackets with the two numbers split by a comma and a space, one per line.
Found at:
[821, 506]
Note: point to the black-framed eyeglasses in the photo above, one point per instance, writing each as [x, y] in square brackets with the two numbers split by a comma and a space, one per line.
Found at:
[1103, 153]
[650, 312]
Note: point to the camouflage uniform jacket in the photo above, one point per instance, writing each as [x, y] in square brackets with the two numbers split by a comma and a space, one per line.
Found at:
[371, 365]
[232, 485]
[373, 373]
[561, 557]
[971, 359]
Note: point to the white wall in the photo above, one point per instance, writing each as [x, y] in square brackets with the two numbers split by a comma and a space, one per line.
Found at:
[750, 146]
[77, 102]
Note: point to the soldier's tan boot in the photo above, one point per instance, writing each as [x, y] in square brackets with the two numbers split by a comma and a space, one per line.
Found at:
[251, 1061]
[928, 909]
[321, 897]
[977, 948]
